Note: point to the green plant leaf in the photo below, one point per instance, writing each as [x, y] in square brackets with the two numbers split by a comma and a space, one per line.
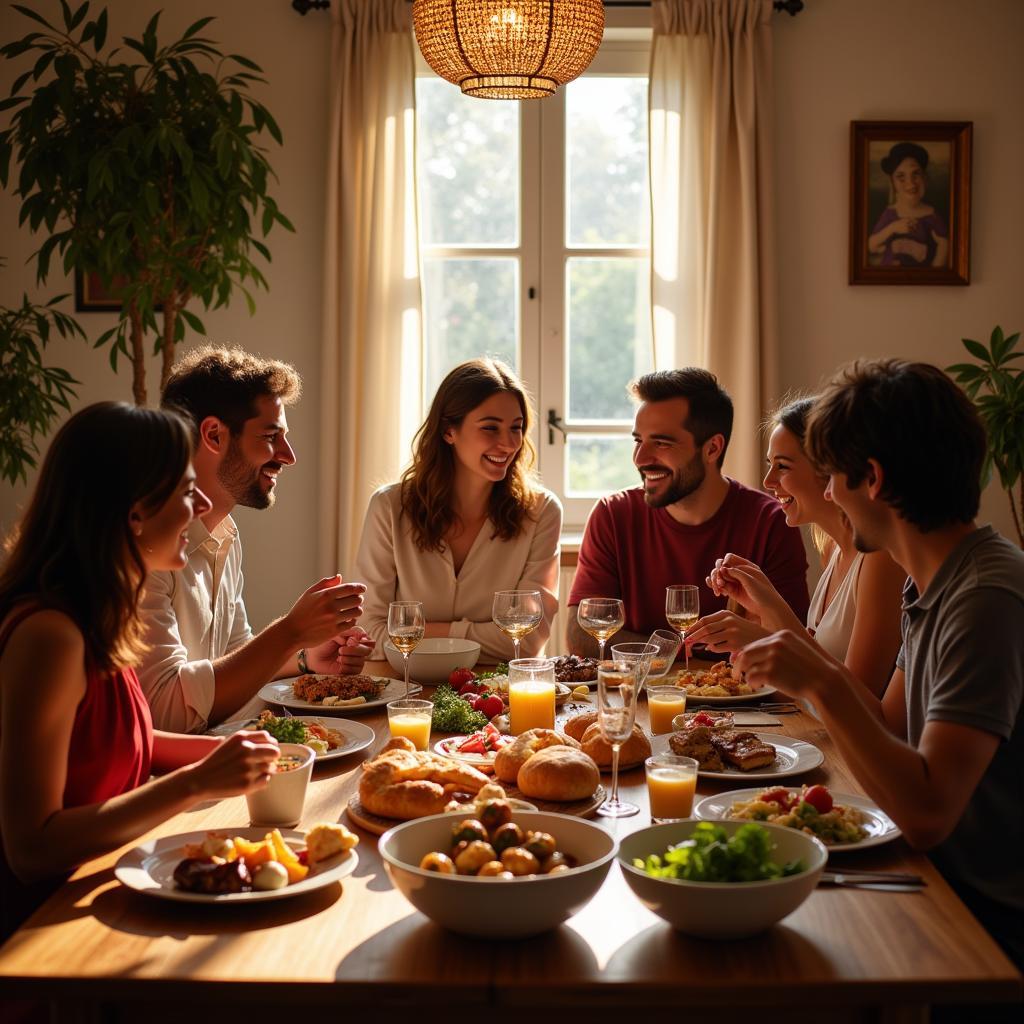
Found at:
[101, 31]
[977, 350]
[29, 13]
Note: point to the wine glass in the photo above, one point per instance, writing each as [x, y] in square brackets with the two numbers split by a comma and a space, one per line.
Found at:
[682, 609]
[517, 613]
[616, 714]
[406, 626]
[602, 618]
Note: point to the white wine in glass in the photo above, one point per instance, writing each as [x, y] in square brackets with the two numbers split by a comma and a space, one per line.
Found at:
[406, 626]
[602, 618]
[682, 609]
[517, 613]
[616, 714]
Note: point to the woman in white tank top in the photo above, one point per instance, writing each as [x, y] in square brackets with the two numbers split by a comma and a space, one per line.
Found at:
[855, 608]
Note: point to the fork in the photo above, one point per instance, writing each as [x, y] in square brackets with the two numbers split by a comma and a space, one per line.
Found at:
[852, 878]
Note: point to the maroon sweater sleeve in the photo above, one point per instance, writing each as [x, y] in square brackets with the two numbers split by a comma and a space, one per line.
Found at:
[597, 572]
[785, 563]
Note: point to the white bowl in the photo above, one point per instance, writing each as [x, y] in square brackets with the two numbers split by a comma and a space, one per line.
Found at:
[722, 910]
[435, 658]
[498, 908]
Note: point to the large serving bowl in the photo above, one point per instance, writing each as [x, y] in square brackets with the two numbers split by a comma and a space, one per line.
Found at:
[722, 910]
[435, 658]
[495, 907]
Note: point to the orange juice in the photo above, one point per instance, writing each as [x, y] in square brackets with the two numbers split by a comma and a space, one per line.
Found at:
[663, 704]
[531, 705]
[670, 792]
[413, 727]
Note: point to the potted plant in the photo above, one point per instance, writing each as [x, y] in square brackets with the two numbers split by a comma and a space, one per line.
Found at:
[142, 164]
[997, 389]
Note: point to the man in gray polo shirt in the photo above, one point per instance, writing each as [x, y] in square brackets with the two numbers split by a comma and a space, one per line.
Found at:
[943, 751]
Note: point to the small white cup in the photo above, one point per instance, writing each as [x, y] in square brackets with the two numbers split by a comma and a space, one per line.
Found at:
[281, 800]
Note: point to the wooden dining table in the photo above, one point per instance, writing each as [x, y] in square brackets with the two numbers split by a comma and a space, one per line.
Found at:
[100, 951]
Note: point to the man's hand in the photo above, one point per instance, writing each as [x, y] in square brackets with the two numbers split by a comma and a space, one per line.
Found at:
[790, 661]
[327, 609]
[343, 654]
[723, 631]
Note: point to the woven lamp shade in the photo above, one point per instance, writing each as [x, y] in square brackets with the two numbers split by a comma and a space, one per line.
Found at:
[508, 49]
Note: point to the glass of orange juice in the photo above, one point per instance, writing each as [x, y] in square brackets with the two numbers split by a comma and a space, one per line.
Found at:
[531, 694]
[663, 704]
[411, 719]
[671, 783]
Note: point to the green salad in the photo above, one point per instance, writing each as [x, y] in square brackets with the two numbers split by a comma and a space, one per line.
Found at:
[710, 855]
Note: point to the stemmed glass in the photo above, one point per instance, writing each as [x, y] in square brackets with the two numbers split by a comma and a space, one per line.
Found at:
[602, 618]
[406, 626]
[517, 613]
[616, 714]
[682, 609]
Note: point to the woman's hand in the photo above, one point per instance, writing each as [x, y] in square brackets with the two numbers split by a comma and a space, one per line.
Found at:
[787, 660]
[742, 581]
[242, 763]
[723, 631]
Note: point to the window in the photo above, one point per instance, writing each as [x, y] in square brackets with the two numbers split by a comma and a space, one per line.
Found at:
[534, 236]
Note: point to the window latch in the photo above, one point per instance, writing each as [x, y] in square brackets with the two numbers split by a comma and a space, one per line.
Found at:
[555, 423]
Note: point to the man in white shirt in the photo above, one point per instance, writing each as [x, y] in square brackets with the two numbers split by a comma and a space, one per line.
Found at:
[204, 662]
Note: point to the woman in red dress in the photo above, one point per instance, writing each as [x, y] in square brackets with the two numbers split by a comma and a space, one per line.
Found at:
[114, 498]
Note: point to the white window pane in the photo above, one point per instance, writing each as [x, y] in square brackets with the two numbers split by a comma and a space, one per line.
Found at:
[470, 310]
[597, 465]
[606, 162]
[468, 167]
[609, 334]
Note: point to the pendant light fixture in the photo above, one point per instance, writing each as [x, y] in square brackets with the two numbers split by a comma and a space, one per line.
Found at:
[508, 49]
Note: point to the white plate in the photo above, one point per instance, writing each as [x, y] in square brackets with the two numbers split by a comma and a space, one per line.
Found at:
[149, 868]
[476, 760]
[356, 735]
[792, 757]
[280, 692]
[724, 702]
[879, 826]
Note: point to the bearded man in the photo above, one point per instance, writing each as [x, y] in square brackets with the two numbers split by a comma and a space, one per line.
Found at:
[683, 516]
[204, 662]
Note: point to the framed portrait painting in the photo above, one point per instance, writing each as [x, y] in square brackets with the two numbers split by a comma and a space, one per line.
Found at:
[910, 202]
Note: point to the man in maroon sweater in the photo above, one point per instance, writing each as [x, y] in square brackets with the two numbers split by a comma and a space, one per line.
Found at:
[684, 515]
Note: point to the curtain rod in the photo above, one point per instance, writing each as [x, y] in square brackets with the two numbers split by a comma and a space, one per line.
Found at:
[791, 7]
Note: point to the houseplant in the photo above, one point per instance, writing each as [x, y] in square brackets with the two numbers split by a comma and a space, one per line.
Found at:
[997, 389]
[141, 164]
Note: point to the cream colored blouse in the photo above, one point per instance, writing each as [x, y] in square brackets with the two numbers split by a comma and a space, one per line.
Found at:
[394, 569]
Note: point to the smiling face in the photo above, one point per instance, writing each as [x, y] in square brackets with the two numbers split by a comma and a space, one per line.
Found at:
[671, 464]
[792, 479]
[485, 444]
[866, 517]
[909, 181]
[248, 471]
[162, 536]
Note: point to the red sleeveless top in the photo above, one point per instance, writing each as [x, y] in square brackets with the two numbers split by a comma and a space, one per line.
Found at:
[111, 753]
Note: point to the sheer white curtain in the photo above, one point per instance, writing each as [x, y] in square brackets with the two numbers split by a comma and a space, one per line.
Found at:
[712, 242]
[371, 365]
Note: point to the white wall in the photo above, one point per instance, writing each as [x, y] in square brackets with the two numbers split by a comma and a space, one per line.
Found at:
[293, 51]
[895, 60]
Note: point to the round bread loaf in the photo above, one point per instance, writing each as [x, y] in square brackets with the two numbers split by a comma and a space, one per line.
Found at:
[510, 759]
[579, 724]
[559, 773]
[634, 750]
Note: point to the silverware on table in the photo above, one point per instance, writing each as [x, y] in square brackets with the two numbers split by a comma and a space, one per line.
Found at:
[880, 881]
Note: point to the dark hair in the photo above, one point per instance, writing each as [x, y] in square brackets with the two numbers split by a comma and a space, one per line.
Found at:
[793, 416]
[428, 483]
[226, 382]
[74, 549]
[710, 407]
[917, 424]
[900, 152]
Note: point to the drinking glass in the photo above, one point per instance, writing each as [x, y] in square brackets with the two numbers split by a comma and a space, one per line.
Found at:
[638, 655]
[671, 781]
[405, 630]
[682, 609]
[667, 643]
[531, 694]
[517, 613]
[411, 719]
[602, 618]
[616, 714]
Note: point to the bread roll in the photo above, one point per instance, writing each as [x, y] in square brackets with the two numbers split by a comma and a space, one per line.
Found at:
[579, 724]
[635, 749]
[510, 759]
[559, 773]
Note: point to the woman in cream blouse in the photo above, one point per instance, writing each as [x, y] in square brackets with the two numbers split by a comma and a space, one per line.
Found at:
[466, 519]
[855, 608]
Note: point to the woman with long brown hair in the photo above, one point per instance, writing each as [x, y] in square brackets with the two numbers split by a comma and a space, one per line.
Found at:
[467, 517]
[115, 495]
